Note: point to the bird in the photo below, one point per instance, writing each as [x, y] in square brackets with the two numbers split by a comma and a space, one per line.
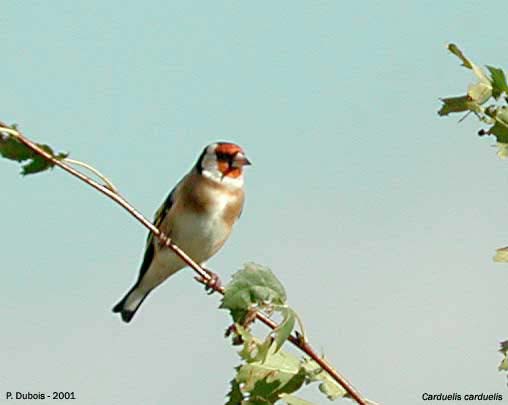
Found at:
[198, 215]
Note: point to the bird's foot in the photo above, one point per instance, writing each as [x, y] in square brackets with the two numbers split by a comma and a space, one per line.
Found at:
[212, 283]
[163, 240]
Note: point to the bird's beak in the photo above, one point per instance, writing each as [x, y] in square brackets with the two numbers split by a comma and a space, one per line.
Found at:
[240, 160]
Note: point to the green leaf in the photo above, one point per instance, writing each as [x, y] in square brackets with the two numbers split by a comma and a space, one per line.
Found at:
[281, 373]
[455, 104]
[235, 395]
[500, 131]
[328, 385]
[39, 164]
[257, 287]
[238, 315]
[466, 62]
[292, 400]
[267, 375]
[12, 149]
[253, 285]
[268, 372]
[251, 345]
[285, 328]
[498, 79]
[504, 363]
[457, 52]
[253, 350]
[501, 255]
[500, 128]
[36, 165]
[264, 349]
[501, 115]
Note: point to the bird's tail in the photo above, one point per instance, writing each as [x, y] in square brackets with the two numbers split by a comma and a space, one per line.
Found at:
[129, 304]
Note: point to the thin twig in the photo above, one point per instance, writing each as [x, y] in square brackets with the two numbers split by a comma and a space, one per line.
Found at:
[108, 182]
[301, 344]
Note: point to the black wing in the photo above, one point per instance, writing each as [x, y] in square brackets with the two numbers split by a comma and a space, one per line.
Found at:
[150, 241]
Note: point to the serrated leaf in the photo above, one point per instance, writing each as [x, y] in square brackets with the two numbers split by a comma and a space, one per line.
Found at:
[281, 373]
[328, 385]
[292, 400]
[285, 328]
[498, 79]
[501, 255]
[235, 395]
[251, 346]
[253, 350]
[253, 285]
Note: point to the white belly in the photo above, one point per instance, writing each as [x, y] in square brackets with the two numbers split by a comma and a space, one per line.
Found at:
[200, 236]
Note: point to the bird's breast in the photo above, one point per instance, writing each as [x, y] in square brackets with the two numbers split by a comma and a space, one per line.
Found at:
[203, 217]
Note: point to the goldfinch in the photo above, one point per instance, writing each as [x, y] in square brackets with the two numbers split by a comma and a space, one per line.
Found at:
[198, 215]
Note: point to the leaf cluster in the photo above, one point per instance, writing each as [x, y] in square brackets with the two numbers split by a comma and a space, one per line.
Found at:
[491, 88]
[11, 148]
[267, 374]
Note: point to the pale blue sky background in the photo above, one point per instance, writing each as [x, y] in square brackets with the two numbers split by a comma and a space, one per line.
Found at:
[380, 217]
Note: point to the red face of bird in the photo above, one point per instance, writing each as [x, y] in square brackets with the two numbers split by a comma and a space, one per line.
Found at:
[223, 162]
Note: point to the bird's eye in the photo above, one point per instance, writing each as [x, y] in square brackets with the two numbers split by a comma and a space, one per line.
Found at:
[223, 156]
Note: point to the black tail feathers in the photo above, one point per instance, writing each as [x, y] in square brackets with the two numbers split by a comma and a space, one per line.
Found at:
[129, 305]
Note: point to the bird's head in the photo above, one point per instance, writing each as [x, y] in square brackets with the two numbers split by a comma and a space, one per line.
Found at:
[223, 162]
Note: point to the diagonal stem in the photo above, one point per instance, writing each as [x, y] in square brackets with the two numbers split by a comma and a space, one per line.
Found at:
[296, 340]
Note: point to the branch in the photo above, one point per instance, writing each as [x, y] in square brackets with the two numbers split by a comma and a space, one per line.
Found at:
[108, 190]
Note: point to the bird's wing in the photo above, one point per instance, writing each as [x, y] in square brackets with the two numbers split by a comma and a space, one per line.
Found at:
[161, 213]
